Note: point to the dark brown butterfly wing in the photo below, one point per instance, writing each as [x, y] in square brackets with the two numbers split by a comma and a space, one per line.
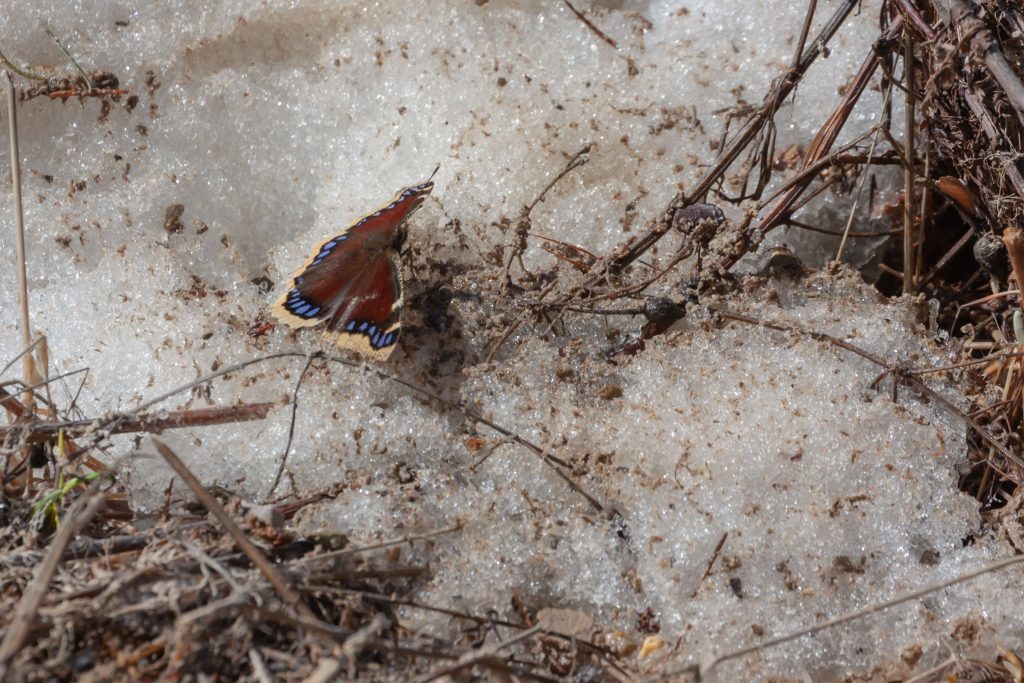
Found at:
[355, 277]
[371, 317]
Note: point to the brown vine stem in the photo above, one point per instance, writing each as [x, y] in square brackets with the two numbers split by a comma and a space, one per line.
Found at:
[629, 252]
[826, 136]
[910, 376]
[709, 665]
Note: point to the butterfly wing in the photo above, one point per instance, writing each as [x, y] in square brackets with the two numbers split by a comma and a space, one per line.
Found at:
[315, 292]
[370, 318]
[355, 277]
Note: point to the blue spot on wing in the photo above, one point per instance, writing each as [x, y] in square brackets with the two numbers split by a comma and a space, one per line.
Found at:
[325, 249]
[298, 306]
[377, 337]
[295, 303]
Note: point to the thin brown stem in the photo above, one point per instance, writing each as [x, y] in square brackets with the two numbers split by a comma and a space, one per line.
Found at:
[710, 564]
[19, 239]
[291, 430]
[38, 432]
[908, 166]
[590, 25]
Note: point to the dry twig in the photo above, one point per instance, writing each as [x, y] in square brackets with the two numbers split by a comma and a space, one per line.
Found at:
[287, 593]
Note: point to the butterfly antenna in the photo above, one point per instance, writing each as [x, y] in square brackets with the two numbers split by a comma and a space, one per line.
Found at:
[432, 174]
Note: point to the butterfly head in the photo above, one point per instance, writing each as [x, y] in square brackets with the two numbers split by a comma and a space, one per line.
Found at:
[419, 193]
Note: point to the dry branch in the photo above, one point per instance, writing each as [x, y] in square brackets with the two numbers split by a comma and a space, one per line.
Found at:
[153, 423]
[19, 236]
[287, 593]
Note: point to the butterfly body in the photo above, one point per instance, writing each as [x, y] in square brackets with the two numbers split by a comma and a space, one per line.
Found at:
[353, 281]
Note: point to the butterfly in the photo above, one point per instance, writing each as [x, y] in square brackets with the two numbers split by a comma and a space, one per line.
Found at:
[353, 280]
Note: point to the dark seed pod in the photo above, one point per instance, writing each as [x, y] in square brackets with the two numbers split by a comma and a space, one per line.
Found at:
[104, 80]
[991, 256]
[662, 311]
[782, 262]
[37, 456]
[688, 216]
